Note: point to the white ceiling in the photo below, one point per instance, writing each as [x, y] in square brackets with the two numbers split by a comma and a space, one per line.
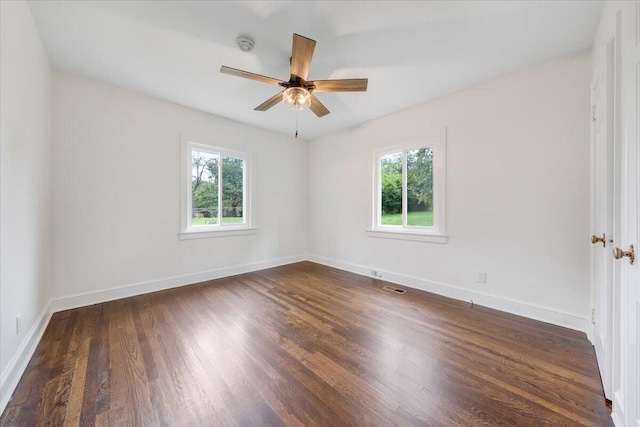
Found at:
[412, 52]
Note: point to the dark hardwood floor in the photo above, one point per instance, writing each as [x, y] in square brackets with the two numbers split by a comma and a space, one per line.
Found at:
[305, 345]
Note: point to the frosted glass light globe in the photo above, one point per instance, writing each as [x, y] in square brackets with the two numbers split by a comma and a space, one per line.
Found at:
[297, 98]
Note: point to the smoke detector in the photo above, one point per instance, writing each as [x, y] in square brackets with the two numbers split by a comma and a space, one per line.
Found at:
[245, 43]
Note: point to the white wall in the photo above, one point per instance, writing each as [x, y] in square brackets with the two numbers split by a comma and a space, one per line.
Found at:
[25, 186]
[517, 194]
[117, 195]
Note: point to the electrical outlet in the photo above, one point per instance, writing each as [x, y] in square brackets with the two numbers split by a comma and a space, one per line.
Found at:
[18, 324]
[482, 277]
[376, 273]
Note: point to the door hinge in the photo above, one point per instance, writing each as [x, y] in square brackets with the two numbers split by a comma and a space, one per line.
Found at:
[593, 316]
[593, 113]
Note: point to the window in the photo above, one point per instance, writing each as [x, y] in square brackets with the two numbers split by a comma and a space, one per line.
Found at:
[216, 192]
[409, 195]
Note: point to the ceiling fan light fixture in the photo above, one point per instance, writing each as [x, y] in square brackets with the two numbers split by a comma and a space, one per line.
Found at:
[297, 98]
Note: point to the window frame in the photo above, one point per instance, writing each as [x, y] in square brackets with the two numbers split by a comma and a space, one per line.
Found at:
[435, 233]
[187, 231]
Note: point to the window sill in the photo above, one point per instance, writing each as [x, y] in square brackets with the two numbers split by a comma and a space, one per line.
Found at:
[408, 235]
[206, 234]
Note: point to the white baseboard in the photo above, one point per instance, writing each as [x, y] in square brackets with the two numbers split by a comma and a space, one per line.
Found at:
[90, 298]
[617, 421]
[15, 368]
[519, 308]
[590, 334]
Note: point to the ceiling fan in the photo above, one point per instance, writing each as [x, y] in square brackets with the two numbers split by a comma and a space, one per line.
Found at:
[298, 93]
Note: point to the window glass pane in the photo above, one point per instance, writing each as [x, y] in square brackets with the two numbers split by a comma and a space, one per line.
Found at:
[420, 187]
[232, 191]
[204, 188]
[391, 189]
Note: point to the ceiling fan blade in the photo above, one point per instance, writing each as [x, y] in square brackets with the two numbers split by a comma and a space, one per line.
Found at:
[270, 102]
[317, 107]
[251, 76]
[301, 55]
[343, 85]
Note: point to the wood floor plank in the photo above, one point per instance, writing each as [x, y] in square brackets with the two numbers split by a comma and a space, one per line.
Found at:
[76, 392]
[305, 345]
[96, 397]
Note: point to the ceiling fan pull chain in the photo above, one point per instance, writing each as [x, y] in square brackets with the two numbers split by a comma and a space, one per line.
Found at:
[296, 113]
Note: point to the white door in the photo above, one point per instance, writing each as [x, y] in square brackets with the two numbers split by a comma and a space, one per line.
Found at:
[626, 351]
[602, 96]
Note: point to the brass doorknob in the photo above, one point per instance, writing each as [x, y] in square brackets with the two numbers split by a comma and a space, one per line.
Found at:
[595, 239]
[619, 253]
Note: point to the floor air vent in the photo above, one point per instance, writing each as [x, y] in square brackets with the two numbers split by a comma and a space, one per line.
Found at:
[392, 289]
